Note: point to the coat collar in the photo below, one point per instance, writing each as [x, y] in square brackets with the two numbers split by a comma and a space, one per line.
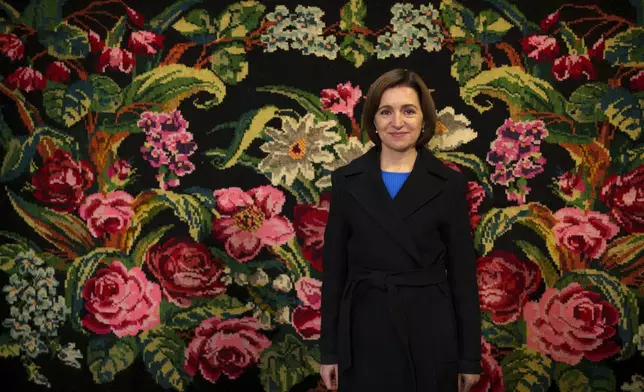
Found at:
[425, 182]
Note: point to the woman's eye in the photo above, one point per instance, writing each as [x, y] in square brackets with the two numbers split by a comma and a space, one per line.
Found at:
[384, 113]
[410, 112]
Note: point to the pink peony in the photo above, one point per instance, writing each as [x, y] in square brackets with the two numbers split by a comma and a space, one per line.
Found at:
[309, 291]
[121, 301]
[227, 347]
[249, 220]
[584, 232]
[572, 324]
[109, 213]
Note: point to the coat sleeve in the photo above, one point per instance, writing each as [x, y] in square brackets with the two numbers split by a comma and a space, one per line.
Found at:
[334, 274]
[461, 275]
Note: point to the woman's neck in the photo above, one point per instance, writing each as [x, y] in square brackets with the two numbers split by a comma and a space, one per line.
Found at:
[397, 161]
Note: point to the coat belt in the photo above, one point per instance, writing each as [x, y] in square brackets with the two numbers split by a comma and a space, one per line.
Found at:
[390, 281]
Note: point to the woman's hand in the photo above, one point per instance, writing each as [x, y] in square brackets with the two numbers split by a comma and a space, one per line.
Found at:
[329, 375]
[467, 381]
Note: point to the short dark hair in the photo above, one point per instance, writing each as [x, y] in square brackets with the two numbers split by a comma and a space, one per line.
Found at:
[396, 78]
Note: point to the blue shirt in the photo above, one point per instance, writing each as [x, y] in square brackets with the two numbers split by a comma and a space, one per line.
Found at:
[394, 181]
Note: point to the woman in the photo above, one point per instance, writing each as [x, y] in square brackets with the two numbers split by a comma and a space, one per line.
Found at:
[400, 305]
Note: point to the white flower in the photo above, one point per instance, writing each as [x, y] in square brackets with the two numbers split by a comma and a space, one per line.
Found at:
[283, 283]
[227, 279]
[636, 385]
[263, 317]
[452, 131]
[346, 153]
[296, 147]
[241, 279]
[70, 355]
[259, 278]
[283, 315]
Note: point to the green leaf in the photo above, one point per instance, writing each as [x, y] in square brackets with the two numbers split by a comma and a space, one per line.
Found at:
[8, 253]
[63, 230]
[42, 14]
[576, 45]
[124, 124]
[79, 273]
[229, 62]
[115, 35]
[8, 349]
[473, 163]
[626, 48]
[171, 84]
[65, 41]
[356, 48]
[506, 336]
[518, 89]
[353, 14]
[459, 20]
[526, 370]
[585, 102]
[309, 102]
[198, 26]
[515, 16]
[240, 18]
[69, 105]
[250, 126]
[285, 364]
[190, 210]
[108, 355]
[495, 223]
[222, 306]
[491, 27]
[624, 111]
[562, 132]
[139, 253]
[620, 296]
[25, 242]
[467, 62]
[170, 15]
[585, 378]
[549, 270]
[16, 160]
[106, 97]
[625, 258]
[163, 356]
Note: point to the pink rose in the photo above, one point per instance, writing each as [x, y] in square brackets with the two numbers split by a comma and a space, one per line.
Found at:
[121, 301]
[505, 284]
[109, 213]
[307, 322]
[584, 232]
[185, 269]
[492, 376]
[309, 291]
[227, 347]
[249, 220]
[572, 324]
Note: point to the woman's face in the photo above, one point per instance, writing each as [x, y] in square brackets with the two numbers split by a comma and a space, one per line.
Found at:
[399, 118]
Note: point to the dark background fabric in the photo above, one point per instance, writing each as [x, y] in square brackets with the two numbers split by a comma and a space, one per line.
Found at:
[509, 364]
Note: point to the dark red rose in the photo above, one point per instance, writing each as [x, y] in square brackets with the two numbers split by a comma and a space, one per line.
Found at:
[504, 285]
[310, 222]
[492, 377]
[624, 195]
[57, 72]
[306, 322]
[185, 270]
[61, 182]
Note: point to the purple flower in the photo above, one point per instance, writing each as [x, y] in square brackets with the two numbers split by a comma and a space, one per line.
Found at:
[181, 166]
[149, 121]
[156, 156]
[174, 122]
[180, 143]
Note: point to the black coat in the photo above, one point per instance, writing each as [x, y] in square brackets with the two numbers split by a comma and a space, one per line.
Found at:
[400, 307]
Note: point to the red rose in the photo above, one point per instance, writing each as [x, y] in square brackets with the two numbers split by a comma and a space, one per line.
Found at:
[25, 78]
[306, 322]
[572, 324]
[310, 222]
[492, 377]
[61, 181]
[505, 284]
[624, 195]
[227, 347]
[57, 72]
[185, 270]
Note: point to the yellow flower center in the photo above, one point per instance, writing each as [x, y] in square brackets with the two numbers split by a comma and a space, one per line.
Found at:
[298, 149]
[249, 219]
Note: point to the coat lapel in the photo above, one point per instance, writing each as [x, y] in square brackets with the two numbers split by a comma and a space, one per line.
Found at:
[366, 185]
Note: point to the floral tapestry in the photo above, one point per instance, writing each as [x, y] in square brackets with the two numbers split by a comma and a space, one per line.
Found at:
[166, 172]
